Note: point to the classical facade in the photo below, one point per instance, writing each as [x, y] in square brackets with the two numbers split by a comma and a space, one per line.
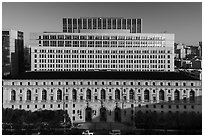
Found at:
[72, 25]
[102, 51]
[102, 96]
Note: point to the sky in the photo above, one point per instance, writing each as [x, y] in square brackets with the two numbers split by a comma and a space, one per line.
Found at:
[184, 19]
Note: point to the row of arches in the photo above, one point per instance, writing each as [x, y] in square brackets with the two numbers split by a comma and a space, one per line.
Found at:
[103, 95]
[103, 114]
[29, 95]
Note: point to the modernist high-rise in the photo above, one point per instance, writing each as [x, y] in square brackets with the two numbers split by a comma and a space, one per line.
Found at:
[102, 51]
[12, 52]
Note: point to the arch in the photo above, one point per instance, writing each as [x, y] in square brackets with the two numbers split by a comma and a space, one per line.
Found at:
[146, 95]
[13, 95]
[88, 114]
[44, 95]
[88, 94]
[103, 94]
[176, 95]
[192, 96]
[117, 94]
[103, 115]
[161, 95]
[59, 94]
[131, 94]
[74, 94]
[117, 114]
[28, 95]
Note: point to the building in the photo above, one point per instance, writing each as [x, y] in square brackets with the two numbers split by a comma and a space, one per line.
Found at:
[102, 51]
[103, 96]
[12, 52]
[72, 25]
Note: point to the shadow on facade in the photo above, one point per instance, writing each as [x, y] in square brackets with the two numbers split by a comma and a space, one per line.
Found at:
[176, 115]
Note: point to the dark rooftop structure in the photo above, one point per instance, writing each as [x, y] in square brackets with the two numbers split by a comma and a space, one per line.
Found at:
[105, 75]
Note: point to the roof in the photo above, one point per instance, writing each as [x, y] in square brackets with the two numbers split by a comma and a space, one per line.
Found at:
[104, 75]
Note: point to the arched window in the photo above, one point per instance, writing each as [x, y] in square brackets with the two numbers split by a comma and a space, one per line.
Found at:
[13, 95]
[59, 95]
[176, 95]
[28, 95]
[44, 95]
[103, 94]
[117, 114]
[88, 114]
[192, 96]
[74, 94]
[146, 95]
[131, 94]
[88, 94]
[103, 115]
[117, 94]
[161, 95]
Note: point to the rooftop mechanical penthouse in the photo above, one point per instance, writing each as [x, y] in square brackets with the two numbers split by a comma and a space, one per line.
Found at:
[71, 25]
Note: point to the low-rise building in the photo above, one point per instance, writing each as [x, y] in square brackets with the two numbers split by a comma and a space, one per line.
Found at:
[102, 96]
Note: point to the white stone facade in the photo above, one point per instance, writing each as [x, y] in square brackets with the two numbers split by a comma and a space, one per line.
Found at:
[56, 94]
[102, 51]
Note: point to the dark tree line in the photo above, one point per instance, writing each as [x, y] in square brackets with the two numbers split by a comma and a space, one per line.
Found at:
[21, 117]
[177, 121]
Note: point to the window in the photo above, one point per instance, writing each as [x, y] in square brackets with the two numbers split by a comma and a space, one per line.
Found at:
[88, 94]
[103, 94]
[51, 98]
[117, 94]
[59, 95]
[74, 95]
[44, 95]
[28, 106]
[146, 95]
[131, 94]
[51, 105]
[73, 105]
[58, 105]
[36, 106]
[13, 95]
[28, 95]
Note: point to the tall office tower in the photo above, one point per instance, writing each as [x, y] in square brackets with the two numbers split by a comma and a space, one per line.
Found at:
[72, 25]
[102, 51]
[12, 52]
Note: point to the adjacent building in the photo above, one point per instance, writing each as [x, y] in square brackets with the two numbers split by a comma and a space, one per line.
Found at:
[103, 96]
[122, 51]
[12, 52]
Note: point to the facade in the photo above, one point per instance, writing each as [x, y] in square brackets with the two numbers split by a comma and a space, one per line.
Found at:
[103, 96]
[72, 25]
[102, 51]
[12, 52]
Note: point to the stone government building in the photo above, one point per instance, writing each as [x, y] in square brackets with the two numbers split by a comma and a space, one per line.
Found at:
[102, 96]
[102, 70]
